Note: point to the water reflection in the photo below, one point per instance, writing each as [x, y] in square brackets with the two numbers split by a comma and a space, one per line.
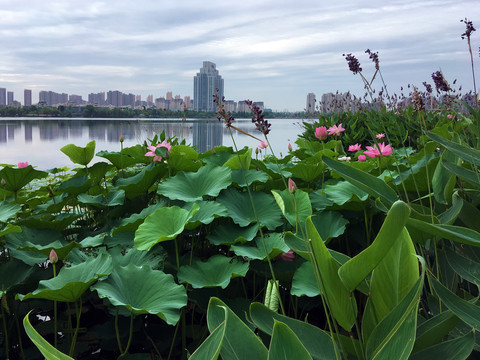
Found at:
[39, 140]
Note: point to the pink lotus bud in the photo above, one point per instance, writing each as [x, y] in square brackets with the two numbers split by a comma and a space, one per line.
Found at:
[53, 257]
[321, 132]
[22, 164]
[287, 256]
[292, 187]
[121, 138]
[362, 158]
[3, 182]
[290, 147]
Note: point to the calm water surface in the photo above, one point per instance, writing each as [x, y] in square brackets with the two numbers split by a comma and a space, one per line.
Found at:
[38, 140]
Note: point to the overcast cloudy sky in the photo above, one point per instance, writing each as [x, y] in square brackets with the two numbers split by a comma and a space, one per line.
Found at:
[271, 51]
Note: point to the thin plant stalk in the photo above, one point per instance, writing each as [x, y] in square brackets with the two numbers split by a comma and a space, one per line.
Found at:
[78, 312]
[55, 334]
[117, 332]
[5, 332]
[259, 227]
[129, 337]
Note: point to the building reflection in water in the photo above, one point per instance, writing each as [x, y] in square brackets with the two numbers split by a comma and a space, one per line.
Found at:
[203, 134]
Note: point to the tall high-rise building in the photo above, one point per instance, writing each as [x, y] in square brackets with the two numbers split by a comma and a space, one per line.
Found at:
[9, 98]
[311, 100]
[205, 85]
[115, 98]
[27, 97]
[3, 96]
[96, 99]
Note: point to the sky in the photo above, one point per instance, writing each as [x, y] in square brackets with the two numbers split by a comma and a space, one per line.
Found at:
[271, 51]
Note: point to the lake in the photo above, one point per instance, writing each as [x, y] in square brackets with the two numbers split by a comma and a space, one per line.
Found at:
[38, 140]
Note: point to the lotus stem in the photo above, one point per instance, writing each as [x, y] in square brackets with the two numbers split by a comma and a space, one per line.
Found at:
[78, 313]
[116, 331]
[55, 333]
[5, 332]
[129, 337]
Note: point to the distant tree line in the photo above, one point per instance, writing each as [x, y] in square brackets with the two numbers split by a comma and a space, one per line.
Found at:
[90, 111]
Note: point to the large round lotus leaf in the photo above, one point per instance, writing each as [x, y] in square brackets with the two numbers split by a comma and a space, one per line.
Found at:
[319, 200]
[41, 241]
[15, 178]
[140, 183]
[10, 229]
[229, 233]
[208, 211]
[161, 225]
[113, 198]
[273, 242]
[304, 282]
[118, 159]
[153, 258]
[144, 291]
[189, 187]
[343, 191]
[218, 158]
[244, 178]
[132, 222]
[240, 161]
[75, 185]
[293, 206]
[183, 158]
[8, 210]
[309, 169]
[12, 273]
[72, 282]
[216, 271]
[329, 224]
[240, 208]
[79, 155]
[48, 221]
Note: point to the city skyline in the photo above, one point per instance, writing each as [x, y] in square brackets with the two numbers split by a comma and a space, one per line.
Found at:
[277, 52]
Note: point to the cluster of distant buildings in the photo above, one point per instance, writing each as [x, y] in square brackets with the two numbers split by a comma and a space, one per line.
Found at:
[206, 83]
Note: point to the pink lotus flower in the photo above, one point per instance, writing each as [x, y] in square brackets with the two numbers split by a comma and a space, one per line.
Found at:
[53, 257]
[380, 136]
[450, 116]
[263, 145]
[355, 147]
[290, 147]
[362, 158]
[335, 130]
[22, 164]
[292, 187]
[382, 149]
[321, 132]
[152, 149]
[287, 256]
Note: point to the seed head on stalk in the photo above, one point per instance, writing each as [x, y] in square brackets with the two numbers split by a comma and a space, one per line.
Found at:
[258, 118]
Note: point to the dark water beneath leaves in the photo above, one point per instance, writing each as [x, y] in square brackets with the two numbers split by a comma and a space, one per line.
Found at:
[38, 140]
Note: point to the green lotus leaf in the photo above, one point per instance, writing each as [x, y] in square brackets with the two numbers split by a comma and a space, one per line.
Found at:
[153, 258]
[132, 222]
[273, 242]
[244, 178]
[240, 208]
[79, 155]
[119, 159]
[229, 233]
[208, 211]
[12, 273]
[304, 282]
[41, 241]
[75, 185]
[240, 161]
[162, 225]
[183, 158]
[277, 169]
[293, 206]
[329, 224]
[8, 210]
[141, 183]
[17, 178]
[216, 271]
[142, 290]
[309, 169]
[113, 198]
[218, 158]
[189, 187]
[10, 229]
[71, 282]
[320, 200]
[48, 221]
[343, 191]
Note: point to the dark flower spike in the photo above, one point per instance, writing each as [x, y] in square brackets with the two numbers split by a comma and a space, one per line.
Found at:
[468, 29]
[374, 57]
[440, 83]
[353, 63]
[258, 118]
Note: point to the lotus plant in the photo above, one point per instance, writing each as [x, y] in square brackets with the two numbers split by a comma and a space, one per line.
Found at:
[152, 149]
